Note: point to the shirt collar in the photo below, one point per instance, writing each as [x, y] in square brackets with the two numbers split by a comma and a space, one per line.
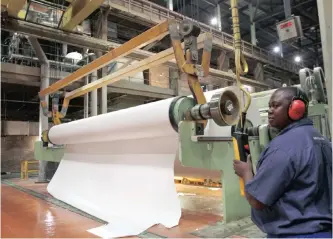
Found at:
[304, 121]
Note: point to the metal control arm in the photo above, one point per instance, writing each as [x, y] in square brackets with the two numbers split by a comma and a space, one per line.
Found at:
[187, 59]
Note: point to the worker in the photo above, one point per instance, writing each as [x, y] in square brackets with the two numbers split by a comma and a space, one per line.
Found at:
[291, 193]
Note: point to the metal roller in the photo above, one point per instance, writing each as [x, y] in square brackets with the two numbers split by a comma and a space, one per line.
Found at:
[223, 109]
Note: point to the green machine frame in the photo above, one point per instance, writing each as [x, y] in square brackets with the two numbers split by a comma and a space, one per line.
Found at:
[214, 153]
[50, 154]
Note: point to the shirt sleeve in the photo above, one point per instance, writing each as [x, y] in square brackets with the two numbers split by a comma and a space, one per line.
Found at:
[272, 178]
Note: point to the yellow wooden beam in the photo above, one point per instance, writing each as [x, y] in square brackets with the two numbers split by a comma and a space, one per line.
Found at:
[142, 65]
[14, 7]
[4, 2]
[78, 11]
[145, 38]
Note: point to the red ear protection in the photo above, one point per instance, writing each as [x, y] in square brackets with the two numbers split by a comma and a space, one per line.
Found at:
[297, 109]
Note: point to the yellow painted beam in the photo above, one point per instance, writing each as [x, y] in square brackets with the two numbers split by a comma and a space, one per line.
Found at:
[15, 6]
[4, 2]
[78, 11]
[145, 38]
[142, 65]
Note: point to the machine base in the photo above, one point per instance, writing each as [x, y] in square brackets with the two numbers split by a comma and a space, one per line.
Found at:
[214, 154]
[51, 154]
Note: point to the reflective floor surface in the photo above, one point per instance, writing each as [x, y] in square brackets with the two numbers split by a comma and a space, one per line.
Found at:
[28, 211]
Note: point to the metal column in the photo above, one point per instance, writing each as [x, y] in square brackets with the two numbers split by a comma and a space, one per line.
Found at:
[287, 8]
[64, 49]
[287, 13]
[325, 20]
[170, 5]
[104, 89]
[43, 120]
[253, 24]
[218, 17]
[104, 97]
[86, 100]
[93, 94]
[45, 82]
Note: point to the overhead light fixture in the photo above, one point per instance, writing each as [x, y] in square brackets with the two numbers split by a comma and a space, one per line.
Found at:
[297, 59]
[276, 49]
[213, 21]
[75, 56]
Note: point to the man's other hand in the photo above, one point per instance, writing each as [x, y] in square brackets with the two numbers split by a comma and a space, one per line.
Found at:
[243, 168]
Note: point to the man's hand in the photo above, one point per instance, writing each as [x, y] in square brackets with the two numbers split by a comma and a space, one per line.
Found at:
[243, 169]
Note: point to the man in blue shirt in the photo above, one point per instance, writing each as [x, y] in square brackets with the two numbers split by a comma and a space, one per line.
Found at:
[291, 193]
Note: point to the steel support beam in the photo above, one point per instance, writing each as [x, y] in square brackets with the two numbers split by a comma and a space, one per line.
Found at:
[93, 94]
[98, 44]
[103, 34]
[219, 17]
[38, 50]
[253, 24]
[287, 8]
[45, 82]
[325, 20]
[170, 4]
[145, 38]
[51, 34]
[78, 11]
[86, 100]
[279, 12]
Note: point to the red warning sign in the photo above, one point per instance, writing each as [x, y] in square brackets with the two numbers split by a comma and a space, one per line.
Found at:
[285, 25]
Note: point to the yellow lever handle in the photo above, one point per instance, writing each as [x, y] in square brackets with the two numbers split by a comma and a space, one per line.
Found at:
[237, 157]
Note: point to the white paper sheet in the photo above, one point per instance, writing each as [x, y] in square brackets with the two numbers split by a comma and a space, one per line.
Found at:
[120, 167]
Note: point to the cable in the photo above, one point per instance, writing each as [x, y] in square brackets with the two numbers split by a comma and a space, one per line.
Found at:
[240, 61]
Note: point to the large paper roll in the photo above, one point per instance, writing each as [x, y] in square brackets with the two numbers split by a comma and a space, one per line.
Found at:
[120, 167]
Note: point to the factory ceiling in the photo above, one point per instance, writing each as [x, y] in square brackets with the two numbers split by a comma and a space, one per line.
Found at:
[267, 14]
[65, 15]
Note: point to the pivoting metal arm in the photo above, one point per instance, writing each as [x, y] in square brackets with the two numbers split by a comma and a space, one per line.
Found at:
[187, 59]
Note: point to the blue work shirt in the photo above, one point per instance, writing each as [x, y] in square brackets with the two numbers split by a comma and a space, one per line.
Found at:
[294, 181]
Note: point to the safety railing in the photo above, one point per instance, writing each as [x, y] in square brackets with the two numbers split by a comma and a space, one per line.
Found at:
[25, 56]
[156, 14]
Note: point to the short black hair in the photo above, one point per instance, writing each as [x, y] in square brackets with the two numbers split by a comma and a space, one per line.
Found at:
[292, 92]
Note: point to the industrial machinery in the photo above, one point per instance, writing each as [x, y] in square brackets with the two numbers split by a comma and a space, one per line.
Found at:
[189, 115]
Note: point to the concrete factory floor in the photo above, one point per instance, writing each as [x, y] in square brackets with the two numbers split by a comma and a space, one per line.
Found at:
[28, 211]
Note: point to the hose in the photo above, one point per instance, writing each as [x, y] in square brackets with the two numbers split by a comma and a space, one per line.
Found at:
[240, 62]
